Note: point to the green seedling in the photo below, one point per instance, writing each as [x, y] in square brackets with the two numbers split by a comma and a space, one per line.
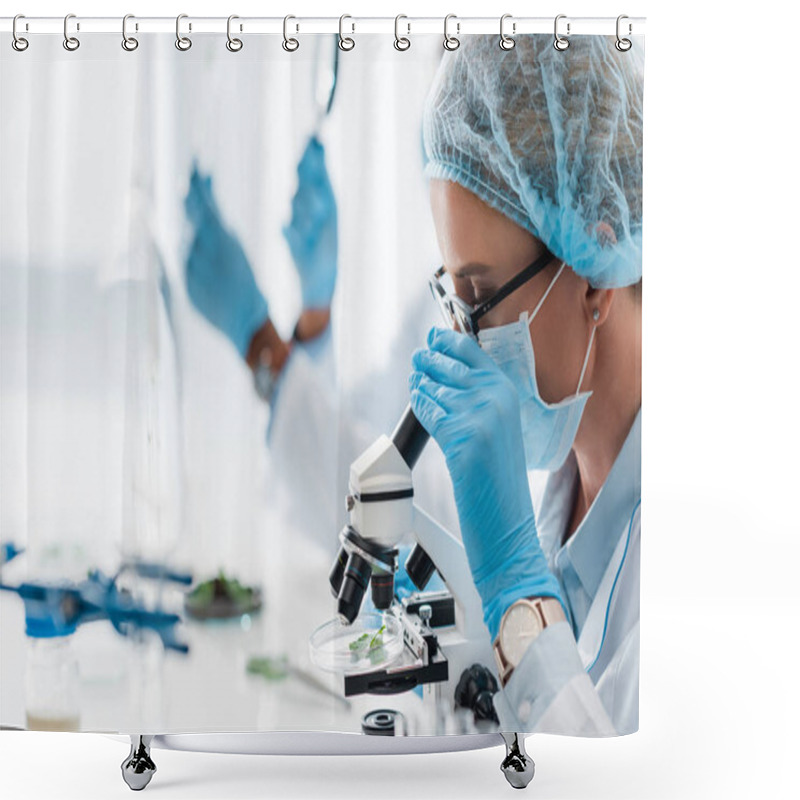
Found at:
[370, 646]
[273, 669]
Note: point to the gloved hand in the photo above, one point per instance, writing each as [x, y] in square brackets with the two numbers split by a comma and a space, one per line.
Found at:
[471, 409]
[219, 279]
[312, 232]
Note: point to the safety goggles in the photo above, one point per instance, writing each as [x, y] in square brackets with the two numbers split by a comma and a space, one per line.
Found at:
[464, 316]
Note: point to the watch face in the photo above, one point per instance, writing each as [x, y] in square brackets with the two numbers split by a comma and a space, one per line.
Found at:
[520, 627]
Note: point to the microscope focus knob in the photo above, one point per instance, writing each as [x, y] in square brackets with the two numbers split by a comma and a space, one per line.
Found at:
[425, 614]
[475, 691]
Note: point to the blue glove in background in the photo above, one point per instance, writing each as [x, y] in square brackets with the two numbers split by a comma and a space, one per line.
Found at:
[471, 409]
[312, 233]
[219, 280]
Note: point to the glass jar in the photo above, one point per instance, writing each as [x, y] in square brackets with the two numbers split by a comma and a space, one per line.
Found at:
[51, 684]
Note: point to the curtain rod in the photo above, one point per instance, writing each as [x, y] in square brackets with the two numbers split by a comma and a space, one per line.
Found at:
[299, 25]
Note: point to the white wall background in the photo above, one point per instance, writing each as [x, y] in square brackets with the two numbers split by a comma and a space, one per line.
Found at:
[720, 699]
[130, 429]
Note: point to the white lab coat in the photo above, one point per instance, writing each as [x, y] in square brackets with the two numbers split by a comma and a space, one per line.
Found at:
[589, 687]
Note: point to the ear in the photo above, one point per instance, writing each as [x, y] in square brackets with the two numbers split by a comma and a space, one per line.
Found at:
[599, 300]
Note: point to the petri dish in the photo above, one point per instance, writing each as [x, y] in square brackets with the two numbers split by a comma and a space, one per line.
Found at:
[349, 649]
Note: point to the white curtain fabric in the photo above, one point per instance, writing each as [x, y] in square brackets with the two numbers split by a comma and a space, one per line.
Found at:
[129, 426]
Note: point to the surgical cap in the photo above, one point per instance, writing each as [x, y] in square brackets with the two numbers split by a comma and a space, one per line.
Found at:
[551, 139]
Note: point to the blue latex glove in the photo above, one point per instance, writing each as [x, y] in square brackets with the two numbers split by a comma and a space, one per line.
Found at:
[219, 279]
[312, 232]
[471, 409]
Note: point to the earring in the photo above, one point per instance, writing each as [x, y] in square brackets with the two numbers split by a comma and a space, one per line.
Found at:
[596, 314]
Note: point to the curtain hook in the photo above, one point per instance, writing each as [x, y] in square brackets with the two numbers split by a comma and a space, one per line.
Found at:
[507, 42]
[451, 42]
[129, 43]
[623, 45]
[183, 43]
[561, 43]
[71, 43]
[289, 44]
[19, 43]
[401, 43]
[346, 42]
[233, 45]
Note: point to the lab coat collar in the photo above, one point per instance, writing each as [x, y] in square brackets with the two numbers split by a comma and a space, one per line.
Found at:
[591, 546]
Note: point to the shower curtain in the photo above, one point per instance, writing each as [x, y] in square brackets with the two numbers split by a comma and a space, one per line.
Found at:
[143, 474]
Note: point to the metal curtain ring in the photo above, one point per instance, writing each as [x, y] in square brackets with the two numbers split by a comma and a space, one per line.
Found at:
[234, 45]
[346, 42]
[451, 42]
[623, 45]
[289, 44]
[401, 43]
[561, 43]
[128, 42]
[182, 42]
[506, 42]
[19, 43]
[70, 42]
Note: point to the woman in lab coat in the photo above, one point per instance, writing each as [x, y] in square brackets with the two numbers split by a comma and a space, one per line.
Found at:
[535, 161]
[538, 217]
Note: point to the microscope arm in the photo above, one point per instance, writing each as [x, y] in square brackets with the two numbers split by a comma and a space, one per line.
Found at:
[450, 558]
[382, 514]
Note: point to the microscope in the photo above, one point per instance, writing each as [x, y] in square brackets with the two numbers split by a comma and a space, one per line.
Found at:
[446, 644]
[444, 633]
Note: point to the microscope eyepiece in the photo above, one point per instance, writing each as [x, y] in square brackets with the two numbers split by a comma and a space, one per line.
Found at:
[409, 437]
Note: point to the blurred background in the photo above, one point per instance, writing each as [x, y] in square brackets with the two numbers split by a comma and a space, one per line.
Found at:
[130, 426]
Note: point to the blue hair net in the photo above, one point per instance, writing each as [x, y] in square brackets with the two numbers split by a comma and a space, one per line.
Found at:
[551, 139]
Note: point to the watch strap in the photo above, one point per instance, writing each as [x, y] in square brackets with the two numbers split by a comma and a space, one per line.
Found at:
[549, 612]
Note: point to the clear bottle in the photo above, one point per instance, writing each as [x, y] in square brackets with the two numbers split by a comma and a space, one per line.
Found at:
[51, 684]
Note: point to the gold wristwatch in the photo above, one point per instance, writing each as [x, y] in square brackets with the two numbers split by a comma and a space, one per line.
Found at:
[521, 624]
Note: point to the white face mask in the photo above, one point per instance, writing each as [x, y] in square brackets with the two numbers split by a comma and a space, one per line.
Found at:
[548, 430]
